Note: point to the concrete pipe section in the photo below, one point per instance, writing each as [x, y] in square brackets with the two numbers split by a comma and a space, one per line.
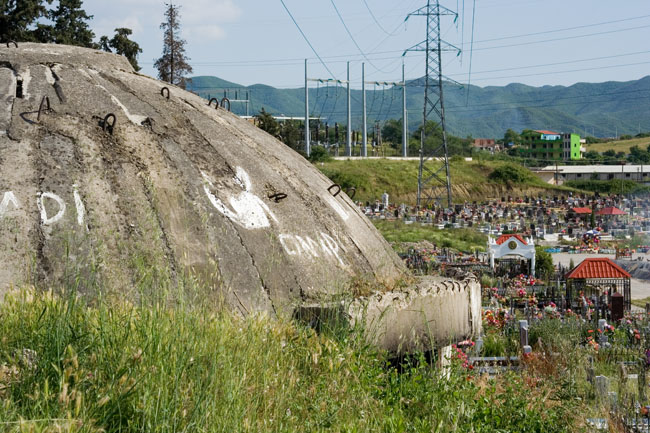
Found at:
[109, 178]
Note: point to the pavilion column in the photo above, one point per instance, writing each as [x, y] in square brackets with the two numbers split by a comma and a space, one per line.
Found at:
[532, 265]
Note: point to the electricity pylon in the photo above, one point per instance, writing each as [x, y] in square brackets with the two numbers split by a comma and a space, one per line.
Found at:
[430, 175]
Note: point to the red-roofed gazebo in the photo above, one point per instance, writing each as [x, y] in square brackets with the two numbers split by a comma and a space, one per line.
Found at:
[598, 277]
[610, 211]
[581, 210]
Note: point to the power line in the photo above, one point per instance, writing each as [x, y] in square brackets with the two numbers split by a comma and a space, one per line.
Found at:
[557, 63]
[562, 39]
[565, 71]
[375, 19]
[306, 39]
[352, 37]
[471, 52]
[565, 29]
[372, 52]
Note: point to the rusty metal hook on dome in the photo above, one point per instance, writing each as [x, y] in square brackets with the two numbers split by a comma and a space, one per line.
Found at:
[44, 101]
[162, 92]
[338, 189]
[12, 42]
[112, 125]
[216, 102]
[278, 196]
[223, 105]
[352, 190]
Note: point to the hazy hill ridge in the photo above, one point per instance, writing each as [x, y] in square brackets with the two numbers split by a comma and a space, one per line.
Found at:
[604, 109]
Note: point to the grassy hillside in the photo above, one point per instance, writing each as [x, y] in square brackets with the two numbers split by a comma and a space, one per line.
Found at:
[620, 145]
[466, 240]
[470, 181]
[489, 111]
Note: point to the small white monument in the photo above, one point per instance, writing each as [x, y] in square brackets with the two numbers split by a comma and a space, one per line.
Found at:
[512, 245]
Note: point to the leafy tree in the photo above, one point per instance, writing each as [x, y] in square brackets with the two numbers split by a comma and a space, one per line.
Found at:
[172, 66]
[122, 46]
[392, 132]
[291, 134]
[511, 137]
[433, 140]
[18, 19]
[593, 155]
[543, 264]
[610, 153]
[638, 156]
[266, 122]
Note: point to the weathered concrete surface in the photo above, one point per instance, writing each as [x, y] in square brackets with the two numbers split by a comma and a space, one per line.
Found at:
[177, 187]
[436, 312]
[180, 192]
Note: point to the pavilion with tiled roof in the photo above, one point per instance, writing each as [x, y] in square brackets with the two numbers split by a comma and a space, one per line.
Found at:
[598, 276]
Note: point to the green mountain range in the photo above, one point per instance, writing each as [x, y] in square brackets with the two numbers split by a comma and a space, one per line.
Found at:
[600, 109]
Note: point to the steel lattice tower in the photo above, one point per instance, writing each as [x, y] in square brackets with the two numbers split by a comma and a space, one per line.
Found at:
[430, 176]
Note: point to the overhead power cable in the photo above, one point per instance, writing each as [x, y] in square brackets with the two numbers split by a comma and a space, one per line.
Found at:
[376, 21]
[352, 37]
[471, 52]
[307, 40]
[565, 29]
[563, 39]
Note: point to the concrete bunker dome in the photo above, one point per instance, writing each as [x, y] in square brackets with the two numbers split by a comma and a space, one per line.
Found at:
[108, 180]
[174, 183]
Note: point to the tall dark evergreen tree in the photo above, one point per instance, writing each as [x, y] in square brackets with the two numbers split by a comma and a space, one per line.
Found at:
[70, 24]
[20, 20]
[17, 18]
[172, 66]
[122, 45]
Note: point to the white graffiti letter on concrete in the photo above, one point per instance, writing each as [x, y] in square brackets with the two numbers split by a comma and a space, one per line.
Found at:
[8, 197]
[308, 248]
[284, 240]
[41, 206]
[81, 210]
[332, 245]
[337, 207]
[248, 210]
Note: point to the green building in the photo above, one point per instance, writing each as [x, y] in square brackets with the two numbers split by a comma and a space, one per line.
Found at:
[551, 146]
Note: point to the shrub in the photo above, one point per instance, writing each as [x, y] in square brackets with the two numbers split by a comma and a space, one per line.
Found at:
[511, 173]
[319, 154]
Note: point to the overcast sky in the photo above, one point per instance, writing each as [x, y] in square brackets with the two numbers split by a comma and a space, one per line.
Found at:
[535, 42]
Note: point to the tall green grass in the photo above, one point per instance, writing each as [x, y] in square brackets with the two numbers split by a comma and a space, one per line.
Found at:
[112, 366]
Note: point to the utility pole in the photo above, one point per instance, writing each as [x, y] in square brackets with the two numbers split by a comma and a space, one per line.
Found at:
[433, 46]
[348, 139]
[245, 101]
[307, 149]
[405, 151]
[394, 84]
[364, 134]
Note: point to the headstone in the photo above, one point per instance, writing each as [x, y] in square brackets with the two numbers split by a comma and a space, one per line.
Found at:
[590, 371]
[601, 385]
[523, 333]
[527, 349]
